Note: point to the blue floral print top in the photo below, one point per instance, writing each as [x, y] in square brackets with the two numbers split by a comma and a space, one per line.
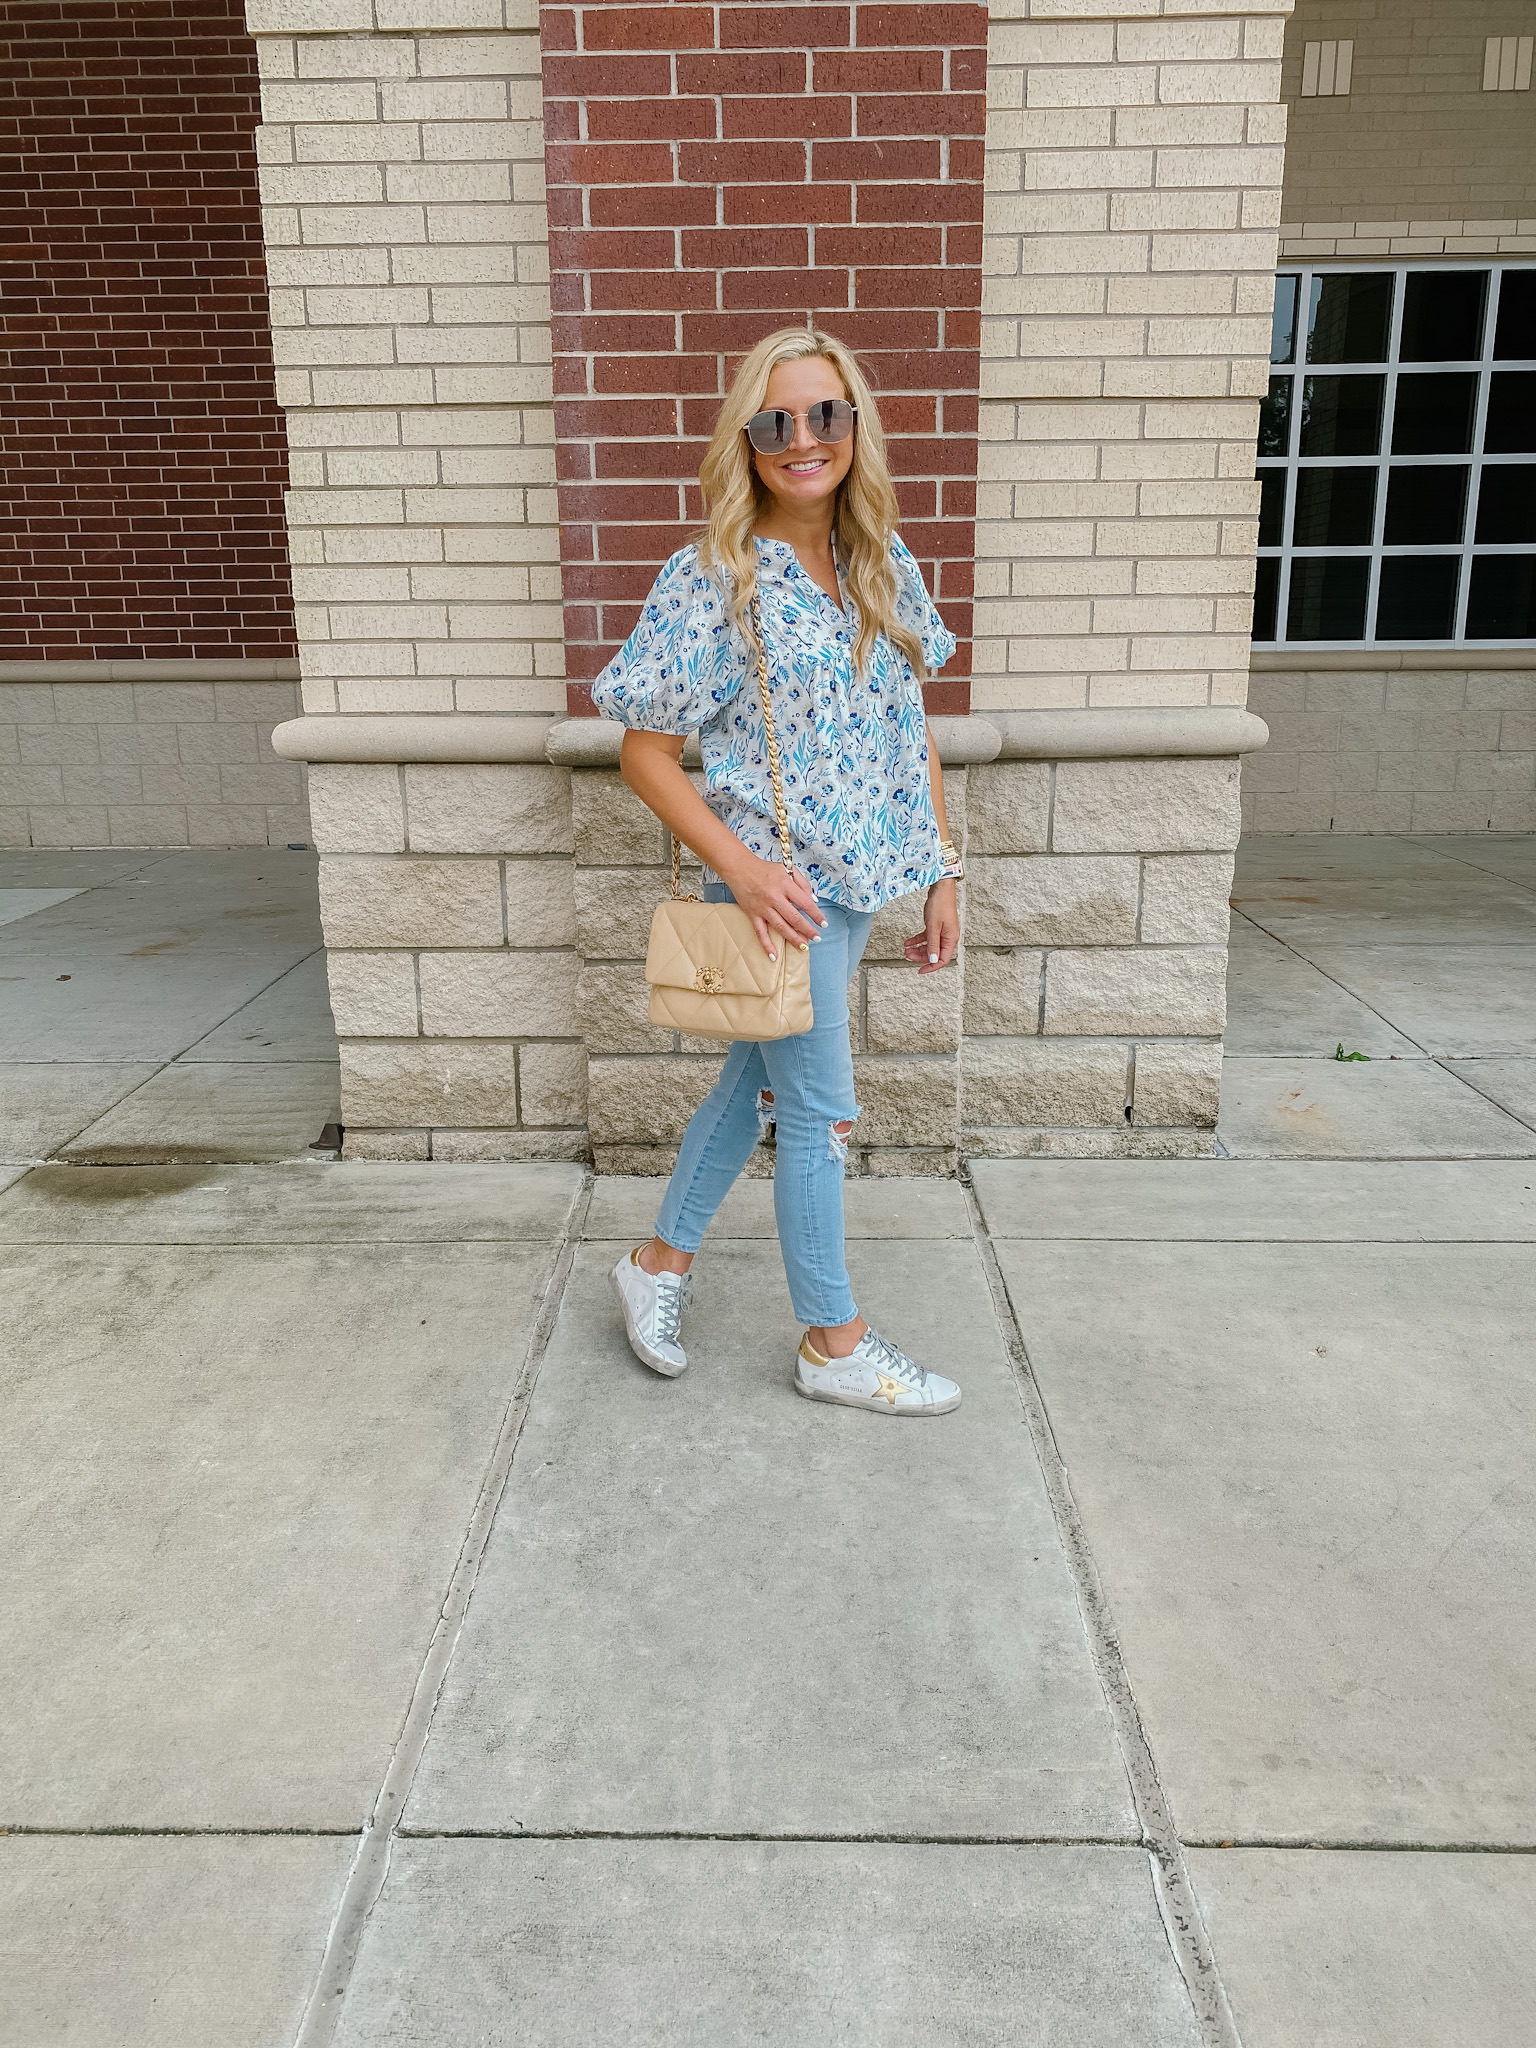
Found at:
[854, 750]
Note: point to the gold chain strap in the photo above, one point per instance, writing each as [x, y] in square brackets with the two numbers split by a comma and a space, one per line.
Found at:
[775, 771]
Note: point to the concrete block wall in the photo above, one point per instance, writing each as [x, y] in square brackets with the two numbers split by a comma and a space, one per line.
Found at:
[1095, 965]
[1394, 743]
[450, 922]
[402, 160]
[139, 753]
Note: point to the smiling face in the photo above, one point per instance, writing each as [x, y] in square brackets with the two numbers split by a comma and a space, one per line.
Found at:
[807, 473]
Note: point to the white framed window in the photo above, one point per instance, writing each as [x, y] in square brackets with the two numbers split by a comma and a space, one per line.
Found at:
[1507, 64]
[1325, 69]
[1397, 458]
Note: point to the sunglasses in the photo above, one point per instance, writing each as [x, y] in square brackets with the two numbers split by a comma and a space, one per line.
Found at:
[830, 420]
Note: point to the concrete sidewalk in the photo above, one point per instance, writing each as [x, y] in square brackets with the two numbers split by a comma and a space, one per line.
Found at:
[1188, 1663]
[391, 1660]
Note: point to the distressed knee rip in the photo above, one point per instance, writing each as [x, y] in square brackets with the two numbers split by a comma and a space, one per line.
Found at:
[764, 1113]
[838, 1134]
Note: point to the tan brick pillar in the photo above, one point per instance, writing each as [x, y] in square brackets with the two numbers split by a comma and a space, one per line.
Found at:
[402, 175]
[1134, 166]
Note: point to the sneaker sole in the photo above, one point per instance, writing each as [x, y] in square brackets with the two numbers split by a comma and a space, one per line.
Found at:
[875, 1403]
[637, 1343]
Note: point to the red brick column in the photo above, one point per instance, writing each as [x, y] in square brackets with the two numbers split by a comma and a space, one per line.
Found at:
[142, 456]
[716, 172]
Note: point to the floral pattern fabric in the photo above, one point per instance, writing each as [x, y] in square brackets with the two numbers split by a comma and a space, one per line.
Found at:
[854, 750]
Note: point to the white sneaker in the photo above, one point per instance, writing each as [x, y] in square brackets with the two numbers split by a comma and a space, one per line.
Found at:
[653, 1311]
[874, 1375]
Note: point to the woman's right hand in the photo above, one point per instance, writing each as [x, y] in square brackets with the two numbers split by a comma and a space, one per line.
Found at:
[780, 903]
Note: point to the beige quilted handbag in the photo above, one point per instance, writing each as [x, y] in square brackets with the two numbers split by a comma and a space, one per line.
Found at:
[706, 966]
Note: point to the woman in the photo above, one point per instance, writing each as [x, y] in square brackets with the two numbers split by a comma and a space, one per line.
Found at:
[802, 518]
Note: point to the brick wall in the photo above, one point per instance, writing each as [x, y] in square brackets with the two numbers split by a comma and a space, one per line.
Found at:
[141, 448]
[1415, 137]
[716, 172]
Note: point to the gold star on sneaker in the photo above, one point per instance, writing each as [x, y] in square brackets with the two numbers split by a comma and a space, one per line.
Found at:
[888, 1387]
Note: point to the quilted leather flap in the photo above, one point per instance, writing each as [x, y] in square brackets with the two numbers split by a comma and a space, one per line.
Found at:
[710, 947]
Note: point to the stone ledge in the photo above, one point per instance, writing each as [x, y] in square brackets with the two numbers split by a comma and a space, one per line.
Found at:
[1326, 660]
[452, 736]
[1209, 730]
[210, 669]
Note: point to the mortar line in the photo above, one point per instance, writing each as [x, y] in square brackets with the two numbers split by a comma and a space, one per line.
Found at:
[1183, 1924]
[370, 1865]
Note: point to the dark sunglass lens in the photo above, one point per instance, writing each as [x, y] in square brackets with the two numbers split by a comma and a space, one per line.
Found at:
[831, 419]
[770, 432]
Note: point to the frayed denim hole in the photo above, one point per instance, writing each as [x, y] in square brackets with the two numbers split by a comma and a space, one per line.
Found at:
[764, 1114]
[837, 1141]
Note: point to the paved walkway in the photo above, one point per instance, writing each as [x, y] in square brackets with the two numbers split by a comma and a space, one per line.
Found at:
[391, 1660]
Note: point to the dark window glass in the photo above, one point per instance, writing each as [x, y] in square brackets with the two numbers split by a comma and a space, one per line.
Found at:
[1266, 590]
[1515, 335]
[1443, 316]
[1417, 599]
[1506, 502]
[1433, 415]
[1275, 417]
[1271, 507]
[1341, 415]
[1334, 508]
[1425, 504]
[1327, 598]
[1511, 428]
[1282, 336]
[1501, 604]
[1348, 319]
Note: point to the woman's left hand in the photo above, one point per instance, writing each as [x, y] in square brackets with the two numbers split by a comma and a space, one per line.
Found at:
[936, 945]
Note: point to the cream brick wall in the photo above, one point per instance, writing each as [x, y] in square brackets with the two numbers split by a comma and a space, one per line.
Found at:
[402, 169]
[1133, 167]
[1416, 142]
[407, 249]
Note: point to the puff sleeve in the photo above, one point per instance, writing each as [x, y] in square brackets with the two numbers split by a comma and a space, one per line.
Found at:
[915, 608]
[684, 660]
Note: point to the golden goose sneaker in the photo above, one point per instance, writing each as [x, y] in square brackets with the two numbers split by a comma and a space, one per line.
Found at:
[653, 1312]
[873, 1375]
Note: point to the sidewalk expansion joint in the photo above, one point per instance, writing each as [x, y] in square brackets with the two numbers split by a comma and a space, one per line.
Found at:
[787, 1835]
[1181, 1916]
[370, 1866]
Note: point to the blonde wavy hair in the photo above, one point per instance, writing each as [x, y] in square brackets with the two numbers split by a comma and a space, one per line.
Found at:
[863, 517]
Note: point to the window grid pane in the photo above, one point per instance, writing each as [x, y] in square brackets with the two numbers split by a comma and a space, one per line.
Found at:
[1326, 539]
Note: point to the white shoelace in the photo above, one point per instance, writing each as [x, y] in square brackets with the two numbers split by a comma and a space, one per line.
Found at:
[885, 1357]
[671, 1300]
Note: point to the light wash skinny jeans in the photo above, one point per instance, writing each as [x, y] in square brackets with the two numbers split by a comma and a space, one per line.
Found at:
[811, 1080]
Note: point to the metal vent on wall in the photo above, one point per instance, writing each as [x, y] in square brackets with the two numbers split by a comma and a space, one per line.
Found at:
[1507, 64]
[1325, 69]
